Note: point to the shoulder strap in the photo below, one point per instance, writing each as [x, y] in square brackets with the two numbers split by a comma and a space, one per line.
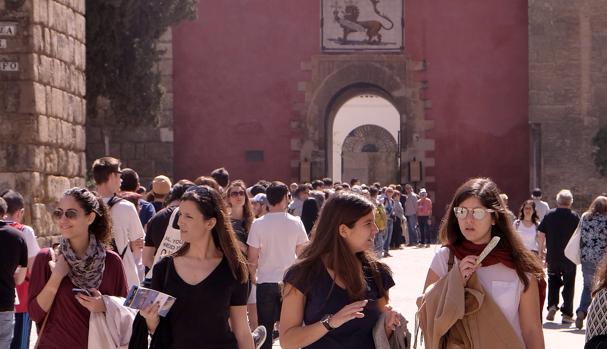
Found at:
[451, 260]
[114, 200]
[166, 273]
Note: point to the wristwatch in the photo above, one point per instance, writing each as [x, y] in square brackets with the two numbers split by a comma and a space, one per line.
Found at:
[325, 322]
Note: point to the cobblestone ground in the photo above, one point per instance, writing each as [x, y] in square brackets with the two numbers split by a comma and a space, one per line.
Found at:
[410, 266]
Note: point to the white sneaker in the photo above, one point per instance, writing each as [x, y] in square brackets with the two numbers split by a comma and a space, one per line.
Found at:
[259, 336]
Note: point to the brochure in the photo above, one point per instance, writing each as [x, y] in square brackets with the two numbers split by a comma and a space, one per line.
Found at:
[140, 297]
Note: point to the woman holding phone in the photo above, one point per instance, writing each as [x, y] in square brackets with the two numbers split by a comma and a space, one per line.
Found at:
[508, 275]
[66, 288]
[208, 277]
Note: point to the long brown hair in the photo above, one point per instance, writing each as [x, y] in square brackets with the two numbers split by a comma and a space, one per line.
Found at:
[521, 213]
[329, 249]
[89, 202]
[598, 206]
[210, 203]
[488, 193]
[247, 212]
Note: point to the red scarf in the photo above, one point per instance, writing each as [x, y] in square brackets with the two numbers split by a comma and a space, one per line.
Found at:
[498, 255]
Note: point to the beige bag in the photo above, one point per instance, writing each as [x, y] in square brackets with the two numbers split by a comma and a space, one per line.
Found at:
[400, 339]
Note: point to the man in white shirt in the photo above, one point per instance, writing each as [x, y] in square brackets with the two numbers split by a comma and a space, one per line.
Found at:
[541, 207]
[275, 240]
[126, 227]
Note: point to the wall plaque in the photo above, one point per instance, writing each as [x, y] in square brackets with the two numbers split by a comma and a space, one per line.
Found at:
[8, 29]
[2, 43]
[362, 25]
[9, 66]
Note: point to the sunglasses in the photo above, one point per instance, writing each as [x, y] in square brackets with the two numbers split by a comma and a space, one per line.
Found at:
[237, 193]
[69, 214]
[477, 213]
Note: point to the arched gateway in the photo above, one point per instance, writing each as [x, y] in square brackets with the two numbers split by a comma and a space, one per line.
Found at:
[338, 79]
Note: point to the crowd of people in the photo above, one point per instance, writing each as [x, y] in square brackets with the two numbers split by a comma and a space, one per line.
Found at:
[300, 263]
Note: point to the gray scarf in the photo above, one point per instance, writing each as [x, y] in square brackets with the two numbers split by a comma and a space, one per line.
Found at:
[85, 272]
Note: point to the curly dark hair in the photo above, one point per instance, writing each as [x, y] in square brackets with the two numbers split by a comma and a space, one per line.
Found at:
[89, 202]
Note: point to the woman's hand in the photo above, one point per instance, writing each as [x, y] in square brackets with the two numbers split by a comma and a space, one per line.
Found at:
[94, 303]
[347, 313]
[59, 267]
[392, 320]
[150, 314]
[467, 266]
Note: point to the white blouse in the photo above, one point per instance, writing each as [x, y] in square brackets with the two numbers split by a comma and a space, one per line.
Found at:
[527, 234]
[499, 281]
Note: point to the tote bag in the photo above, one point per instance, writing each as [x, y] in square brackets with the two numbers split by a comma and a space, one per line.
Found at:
[572, 250]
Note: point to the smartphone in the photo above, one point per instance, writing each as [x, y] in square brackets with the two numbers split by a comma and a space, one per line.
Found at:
[81, 290]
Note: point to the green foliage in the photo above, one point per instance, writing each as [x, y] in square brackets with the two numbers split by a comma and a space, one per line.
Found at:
[600, 153]
[121, 56]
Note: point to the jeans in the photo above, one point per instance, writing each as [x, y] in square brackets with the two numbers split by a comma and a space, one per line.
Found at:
[411, 223]
[588, 269]
[21, 334]
[269, 302]
[378, 243]
[561, 274]
[424, 229]
[7, 323]
[388, 237]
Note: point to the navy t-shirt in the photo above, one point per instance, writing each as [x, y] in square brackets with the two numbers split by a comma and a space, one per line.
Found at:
[325, 297]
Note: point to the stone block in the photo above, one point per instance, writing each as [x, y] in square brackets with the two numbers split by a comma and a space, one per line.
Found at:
[38, 38]
[43, 136]
[40, 12]
[47, 41]
[55, 187]
[79, 27]
[57, 103]
[166, 135]
[79, 55]
[80, 139]
[39, 98]
[53, 124]
[7, 180]
[140, 151]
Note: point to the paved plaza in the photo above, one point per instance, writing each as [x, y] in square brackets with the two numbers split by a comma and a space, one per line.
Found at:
[410, 266]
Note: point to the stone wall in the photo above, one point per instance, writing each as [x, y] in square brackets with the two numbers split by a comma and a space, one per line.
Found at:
[146, 149]
[568, 93]
[42, 106]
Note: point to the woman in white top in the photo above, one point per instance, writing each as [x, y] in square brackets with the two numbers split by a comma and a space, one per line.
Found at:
[526, 225]
[509, 275]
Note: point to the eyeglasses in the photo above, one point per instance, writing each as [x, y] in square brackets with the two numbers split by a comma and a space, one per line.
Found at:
[237, 193]
[69, 214]
[477, 213]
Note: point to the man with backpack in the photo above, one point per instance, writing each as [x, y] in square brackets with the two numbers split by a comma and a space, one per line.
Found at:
[128, 234]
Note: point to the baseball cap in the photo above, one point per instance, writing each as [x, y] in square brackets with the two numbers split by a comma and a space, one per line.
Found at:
[161, 185]
[261, 198]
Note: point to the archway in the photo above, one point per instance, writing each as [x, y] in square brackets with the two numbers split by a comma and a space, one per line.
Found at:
[364, 140]
[369, 153]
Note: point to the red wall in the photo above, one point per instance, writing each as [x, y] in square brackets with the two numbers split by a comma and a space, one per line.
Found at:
[237, 67]
[236, 70]
[476, 53]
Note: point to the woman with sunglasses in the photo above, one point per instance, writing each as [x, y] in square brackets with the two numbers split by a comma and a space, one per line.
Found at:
[241, 216]
[508, 275]
[61, 305]
[526, 226]
[335, 294]
[208, 277]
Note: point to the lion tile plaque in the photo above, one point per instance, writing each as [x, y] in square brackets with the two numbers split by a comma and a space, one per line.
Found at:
[362, 25]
